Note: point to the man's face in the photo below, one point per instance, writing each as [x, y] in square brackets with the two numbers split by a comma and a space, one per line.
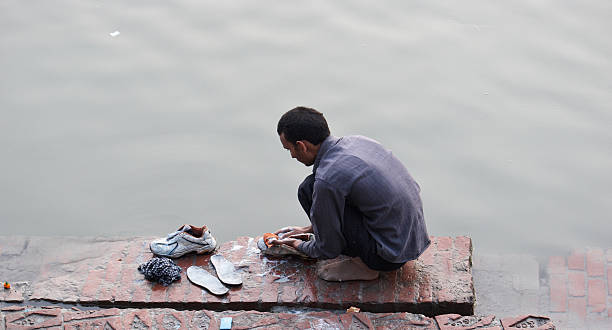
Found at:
[298, 151]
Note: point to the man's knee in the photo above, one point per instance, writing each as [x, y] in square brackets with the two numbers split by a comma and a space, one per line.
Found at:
[305, 192]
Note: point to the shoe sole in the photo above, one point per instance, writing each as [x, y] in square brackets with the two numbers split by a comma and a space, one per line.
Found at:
[225, 270]
[199, 276]
[204, 250]
[174, 256]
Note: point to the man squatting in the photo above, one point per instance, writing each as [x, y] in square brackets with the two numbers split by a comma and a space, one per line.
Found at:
[364, 207]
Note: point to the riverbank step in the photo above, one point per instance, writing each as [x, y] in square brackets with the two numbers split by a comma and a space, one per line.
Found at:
[101, 272]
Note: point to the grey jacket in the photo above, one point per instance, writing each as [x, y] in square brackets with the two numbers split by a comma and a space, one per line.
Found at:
[360, 171]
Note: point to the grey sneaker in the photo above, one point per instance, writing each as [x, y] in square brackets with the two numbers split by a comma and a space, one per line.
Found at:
[284, 250]
[186, 239]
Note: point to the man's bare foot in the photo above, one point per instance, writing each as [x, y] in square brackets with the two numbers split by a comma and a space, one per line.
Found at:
[324, 262]
[350, 269]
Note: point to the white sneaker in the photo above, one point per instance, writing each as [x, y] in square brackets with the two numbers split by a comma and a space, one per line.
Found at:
[282, 249]
[186, 239]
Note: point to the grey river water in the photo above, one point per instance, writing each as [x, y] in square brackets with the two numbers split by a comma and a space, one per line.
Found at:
[501, 110]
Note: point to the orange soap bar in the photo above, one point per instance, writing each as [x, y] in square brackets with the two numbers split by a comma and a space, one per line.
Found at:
[267, 237]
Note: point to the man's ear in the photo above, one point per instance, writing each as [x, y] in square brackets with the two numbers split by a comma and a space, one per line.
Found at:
[301, 146]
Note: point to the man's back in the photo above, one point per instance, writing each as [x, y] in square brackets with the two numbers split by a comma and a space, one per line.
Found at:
[375, 182]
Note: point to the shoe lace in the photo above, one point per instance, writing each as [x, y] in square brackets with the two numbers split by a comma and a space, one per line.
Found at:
[182, 230]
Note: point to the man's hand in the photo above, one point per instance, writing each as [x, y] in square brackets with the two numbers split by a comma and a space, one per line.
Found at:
[294, 243]
[293, 230]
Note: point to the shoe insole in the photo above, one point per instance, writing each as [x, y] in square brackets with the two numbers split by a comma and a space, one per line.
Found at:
[225, 270]
[201, 277]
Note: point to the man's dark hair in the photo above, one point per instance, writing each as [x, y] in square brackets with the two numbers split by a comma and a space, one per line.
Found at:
[303, 123]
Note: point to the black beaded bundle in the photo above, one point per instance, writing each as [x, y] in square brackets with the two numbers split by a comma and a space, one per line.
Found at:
[161, 270]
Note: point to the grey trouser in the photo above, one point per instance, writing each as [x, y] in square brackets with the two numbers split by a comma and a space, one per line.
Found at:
[359, 242]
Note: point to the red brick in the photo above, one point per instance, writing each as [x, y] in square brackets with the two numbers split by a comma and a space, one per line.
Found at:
[333, 293]
[403, 321]
[408, 283]
[252, 281]
[13, 295]
[597, 295]
[329, 293]
[239, 248]
[128, 272]
[137, 319]
[263, 320]
[442, 294]
[101, 323]
[288, 290]
[371, 292]
[351, 292]
[463, 244]
[388, 283]
[427, 257]
[444, 263]
[576, 284]
[577, 306]
[460, 322]
[158, 293]
[556, 265]
[595, 262]
[558, 294]
[269, 294]
[133, 252]
[141, 290]
[353, 321]
[610, 280]
[253, 261]
[425, 289]
[609, 255]
[108, 287]
[576, 261]
[304, 324]
[444, 243]
[125, 285]
[214, 321]
[168, 319]
[211, 298]
[80, 315]
[310, 291]
[430, 284]
[50, 318]
[90, 288]
[196, 293]
[235, 294]
[178, 290]
[202, 320]
[236, 255]
[288, 293]
[522, 322]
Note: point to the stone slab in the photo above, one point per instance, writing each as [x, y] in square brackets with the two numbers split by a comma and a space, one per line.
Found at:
[439, 282]
[165, 318]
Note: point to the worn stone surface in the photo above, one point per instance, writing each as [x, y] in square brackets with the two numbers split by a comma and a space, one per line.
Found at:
[165, 318]
[104, 272]
[579, 289]
[560, 288]
[506, 284]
